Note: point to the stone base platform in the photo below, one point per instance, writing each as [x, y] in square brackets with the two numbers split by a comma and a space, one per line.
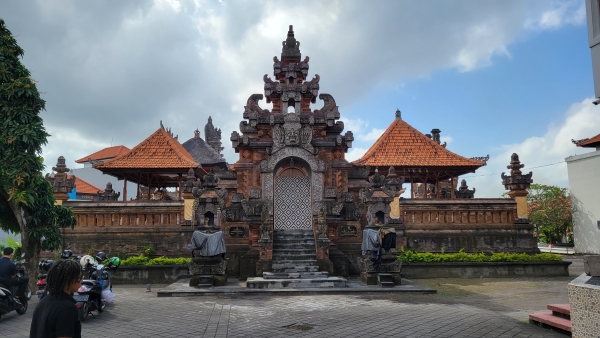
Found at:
[295, 283]
[181, 288]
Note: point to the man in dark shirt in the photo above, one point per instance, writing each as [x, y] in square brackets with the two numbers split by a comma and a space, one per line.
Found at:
[8, 272]
[56, 314]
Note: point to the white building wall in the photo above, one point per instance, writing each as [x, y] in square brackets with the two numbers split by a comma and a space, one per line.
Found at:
[584, 183]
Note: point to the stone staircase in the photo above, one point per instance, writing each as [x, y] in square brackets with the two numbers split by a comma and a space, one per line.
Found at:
[558, 317]
[295, 264]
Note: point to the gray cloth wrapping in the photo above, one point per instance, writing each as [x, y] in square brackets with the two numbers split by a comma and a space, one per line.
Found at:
[215, 243]
[370, 241]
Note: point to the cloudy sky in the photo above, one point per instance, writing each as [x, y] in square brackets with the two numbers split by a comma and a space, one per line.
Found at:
[496, 77]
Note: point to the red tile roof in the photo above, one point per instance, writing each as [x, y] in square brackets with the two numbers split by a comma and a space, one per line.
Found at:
[106, 153]
[83, 187]
[401, 145]
[159, 151]
[589, 142]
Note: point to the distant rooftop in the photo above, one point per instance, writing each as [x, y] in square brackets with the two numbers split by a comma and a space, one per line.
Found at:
[401, 145]
[104, 154]
[202, 152]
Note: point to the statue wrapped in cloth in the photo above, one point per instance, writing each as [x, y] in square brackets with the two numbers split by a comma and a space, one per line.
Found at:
[379, 259]
[208, 266]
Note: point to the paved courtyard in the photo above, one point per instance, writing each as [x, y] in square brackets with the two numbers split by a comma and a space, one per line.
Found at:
[461, 308]
[136, 313]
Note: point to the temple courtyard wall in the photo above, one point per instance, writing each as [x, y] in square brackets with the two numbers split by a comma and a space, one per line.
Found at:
[474, 225]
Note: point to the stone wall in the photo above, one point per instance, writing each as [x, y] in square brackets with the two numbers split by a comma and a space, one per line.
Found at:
[485, 270]
[475, 225]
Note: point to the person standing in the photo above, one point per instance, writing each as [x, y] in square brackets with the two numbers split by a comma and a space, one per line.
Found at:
[8, 273]
[56, 314]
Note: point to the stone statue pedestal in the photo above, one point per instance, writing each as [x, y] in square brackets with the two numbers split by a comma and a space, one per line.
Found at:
[389, 265]
[265, 258]
[325, 264]
[201, 268]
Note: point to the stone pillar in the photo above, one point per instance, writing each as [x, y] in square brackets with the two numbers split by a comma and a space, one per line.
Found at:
[188, 196]
[265, 259]
[61, 183]
[517, 184]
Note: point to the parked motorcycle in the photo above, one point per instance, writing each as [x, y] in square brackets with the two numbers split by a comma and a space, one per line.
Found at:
[98, 284]
[8, 302]
[44, 266]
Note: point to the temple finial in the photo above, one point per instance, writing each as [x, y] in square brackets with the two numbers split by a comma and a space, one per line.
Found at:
[291, 47]
[398, 114]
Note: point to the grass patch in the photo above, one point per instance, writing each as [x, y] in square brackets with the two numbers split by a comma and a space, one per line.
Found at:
[409, 256]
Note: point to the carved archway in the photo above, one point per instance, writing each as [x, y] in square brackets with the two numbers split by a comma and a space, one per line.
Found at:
[292, 195]
[314, 166]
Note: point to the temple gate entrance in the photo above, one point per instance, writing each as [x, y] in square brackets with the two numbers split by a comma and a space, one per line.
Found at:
[292, 202]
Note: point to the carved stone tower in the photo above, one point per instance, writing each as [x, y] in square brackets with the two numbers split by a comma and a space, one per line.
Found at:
[291, 160]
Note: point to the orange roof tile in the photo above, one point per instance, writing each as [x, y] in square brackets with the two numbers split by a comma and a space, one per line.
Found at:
[589, 142]
[159, 151]
[83, 187]
[401, 145]
[106, 153]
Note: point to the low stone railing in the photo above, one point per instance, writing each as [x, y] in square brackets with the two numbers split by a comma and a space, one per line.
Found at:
[459, 211]
[488, 225]
[127, 214]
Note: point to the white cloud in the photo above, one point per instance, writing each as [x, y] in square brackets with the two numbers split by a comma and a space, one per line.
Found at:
[372, 135]
[582, 120]
[355, 153]
[116, 69]
[447, 139]
[559, 14]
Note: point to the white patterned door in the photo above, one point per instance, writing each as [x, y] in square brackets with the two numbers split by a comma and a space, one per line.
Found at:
[292, 203]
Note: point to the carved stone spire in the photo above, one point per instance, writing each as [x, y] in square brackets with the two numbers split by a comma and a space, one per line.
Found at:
[291, 47]
[517, 184]
[213, 136]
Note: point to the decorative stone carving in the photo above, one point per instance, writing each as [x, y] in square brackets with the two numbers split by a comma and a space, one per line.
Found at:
[254, 193]
[215, 266]
[359, 172]
[213, 136]
[109, 195]
[60, 182]
[322, 222]
[516, 180]
[330, 193]
[464, 192]
[265, 223]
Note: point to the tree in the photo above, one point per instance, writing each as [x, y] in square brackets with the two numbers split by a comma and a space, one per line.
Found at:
[550, 212]
[26, 197]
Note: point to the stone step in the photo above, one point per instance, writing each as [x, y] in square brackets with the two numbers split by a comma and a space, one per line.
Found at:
[546, 318]
[295, 275]
[560, 310]
[299, 251]
[329, 282]
[297, 269]
[294, 238]
[385, 280]
[292, 256]
[293, 231]
[305, 246]
[291, 264]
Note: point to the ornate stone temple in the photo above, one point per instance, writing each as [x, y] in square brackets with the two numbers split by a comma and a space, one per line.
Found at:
[292, 209]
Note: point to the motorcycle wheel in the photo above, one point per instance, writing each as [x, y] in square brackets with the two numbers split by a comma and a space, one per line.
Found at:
[83, 312]
[23, 310]
[28, 292]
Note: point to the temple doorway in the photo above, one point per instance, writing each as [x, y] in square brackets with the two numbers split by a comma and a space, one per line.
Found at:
[292, 200]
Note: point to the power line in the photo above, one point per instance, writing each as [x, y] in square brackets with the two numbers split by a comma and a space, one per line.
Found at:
[539, 166]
